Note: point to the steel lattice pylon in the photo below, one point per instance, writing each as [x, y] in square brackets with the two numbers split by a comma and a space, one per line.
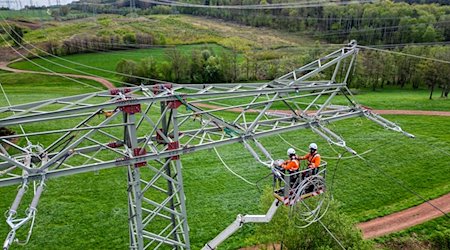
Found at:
[148, 128]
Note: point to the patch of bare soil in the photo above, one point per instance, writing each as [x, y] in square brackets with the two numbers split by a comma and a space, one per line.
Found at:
[25, 23]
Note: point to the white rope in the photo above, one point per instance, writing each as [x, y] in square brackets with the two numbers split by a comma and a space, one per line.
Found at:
[229, 169]
[324, 157]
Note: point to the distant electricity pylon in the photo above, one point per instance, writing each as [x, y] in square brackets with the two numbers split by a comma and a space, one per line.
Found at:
[147, 129]
[132, 5]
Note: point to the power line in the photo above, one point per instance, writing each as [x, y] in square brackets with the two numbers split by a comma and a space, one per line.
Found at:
[84, 65]
[10, 105]
[395, 45]
[378, 28]
[403, 54]
[254, 7]
[436, 148]
[334, 18]
[332, 235]
[399, 183]
[58, 64]
[45, 68]
[80, 64]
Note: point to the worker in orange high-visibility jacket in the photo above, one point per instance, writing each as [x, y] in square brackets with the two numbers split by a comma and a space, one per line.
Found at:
[292, 165]
[313, 158]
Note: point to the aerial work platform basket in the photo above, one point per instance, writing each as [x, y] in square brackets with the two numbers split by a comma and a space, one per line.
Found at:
[304, 191]
[292, 186]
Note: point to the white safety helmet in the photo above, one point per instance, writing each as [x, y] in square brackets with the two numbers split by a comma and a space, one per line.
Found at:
[313, 146]
[290, 151]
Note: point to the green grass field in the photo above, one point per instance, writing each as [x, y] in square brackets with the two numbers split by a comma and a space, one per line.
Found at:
[393, 98]
[436, 231]
[88, 211]
[23, 88]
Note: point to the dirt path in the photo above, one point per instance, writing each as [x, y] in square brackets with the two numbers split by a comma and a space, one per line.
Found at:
[404, 219]
[411, 112]
[378, 111]
[104, 82]
[109, 85]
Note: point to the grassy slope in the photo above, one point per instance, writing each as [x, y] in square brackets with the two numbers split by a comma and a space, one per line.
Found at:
[108, 61]
[176, 29]
[88, 211]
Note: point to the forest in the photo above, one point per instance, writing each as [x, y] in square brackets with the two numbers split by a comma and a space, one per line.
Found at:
[381, 23]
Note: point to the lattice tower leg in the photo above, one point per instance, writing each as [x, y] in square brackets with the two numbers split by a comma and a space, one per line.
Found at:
[134, 188]
[184, 230]
[165, 130]
[159, 194]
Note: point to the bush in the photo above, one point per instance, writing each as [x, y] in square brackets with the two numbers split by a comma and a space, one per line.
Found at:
[142, 38]
[129, 68]
[16, 34]
[6, 131]
[282, 229]
[129, 38]
[441, 240]
[147, 68]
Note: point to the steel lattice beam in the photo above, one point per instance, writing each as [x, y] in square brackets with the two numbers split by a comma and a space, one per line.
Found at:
[159, 123]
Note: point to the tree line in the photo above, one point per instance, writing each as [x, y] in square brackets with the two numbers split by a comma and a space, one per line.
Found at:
[198, 66]
[373, 69]
[378, 69]
[92, 43]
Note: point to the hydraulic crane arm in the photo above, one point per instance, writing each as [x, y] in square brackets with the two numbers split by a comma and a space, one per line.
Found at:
[239, 222]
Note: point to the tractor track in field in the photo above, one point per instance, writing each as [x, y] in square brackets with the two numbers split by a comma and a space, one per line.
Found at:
[104, 82]
[371, 229]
